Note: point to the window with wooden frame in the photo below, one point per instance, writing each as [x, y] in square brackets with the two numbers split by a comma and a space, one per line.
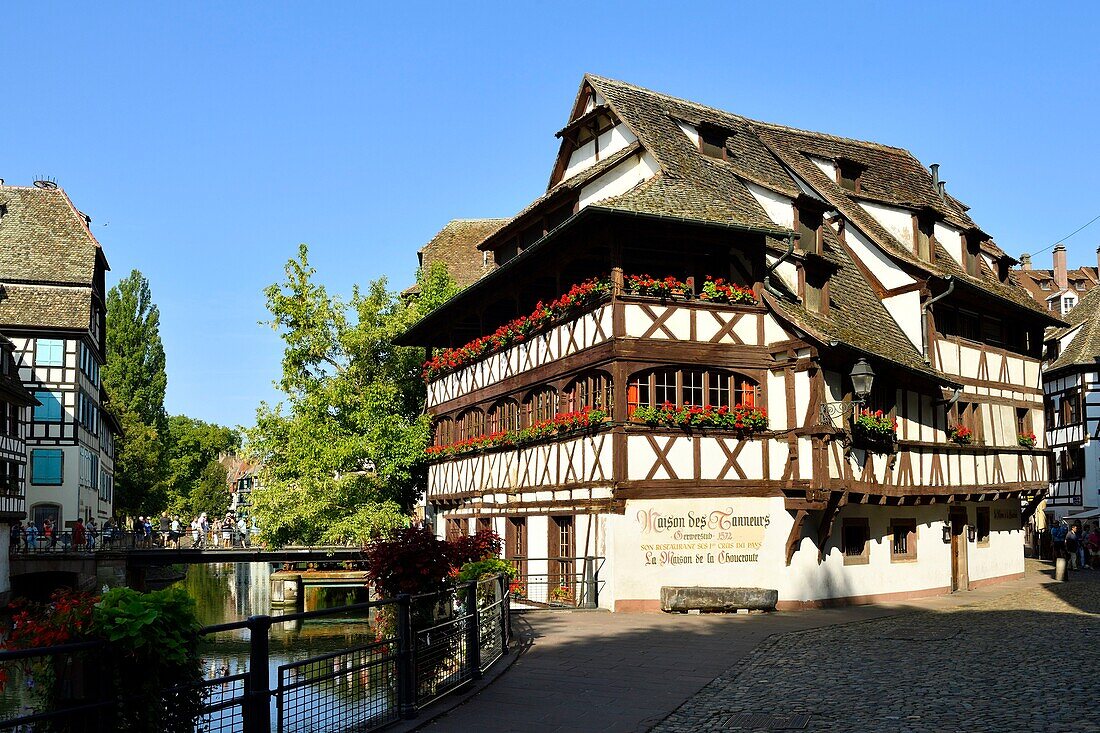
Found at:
[592, 390]
[1071, 408]
[1050, 411]
[815, 291]
[444, 432]
[1023, 421]
[470, 424]
[712, 141]
[690, 386]
[848, 175]
[923, 236]
[540, 405]
[969, 415]
[503, 417]
[484, 524]
[981, 527]
[1071, 463]
[562, 551]
[809, 221]
[515, 544]
[855, 540]
[903, 540]
[973, 255]
[456, 528]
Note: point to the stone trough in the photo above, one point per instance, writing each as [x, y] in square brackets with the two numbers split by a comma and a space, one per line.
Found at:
[681, 599]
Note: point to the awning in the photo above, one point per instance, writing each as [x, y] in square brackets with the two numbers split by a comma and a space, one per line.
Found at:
[1090, 514]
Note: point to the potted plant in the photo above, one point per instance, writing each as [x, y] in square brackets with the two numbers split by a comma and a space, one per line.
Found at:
[1026, 440]
[875, 430]
[961, 435]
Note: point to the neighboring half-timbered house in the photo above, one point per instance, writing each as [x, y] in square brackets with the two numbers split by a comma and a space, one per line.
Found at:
[668, 369]
[53, 309]
[1071, 380]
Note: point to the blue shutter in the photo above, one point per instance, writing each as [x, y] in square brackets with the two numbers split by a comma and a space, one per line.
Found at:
[49, 410]
[46, 467]
[50, 352]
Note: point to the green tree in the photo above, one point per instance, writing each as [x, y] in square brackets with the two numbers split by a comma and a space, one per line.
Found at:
[135, 379]
[193, 447]
[342, 455]
[210, 492]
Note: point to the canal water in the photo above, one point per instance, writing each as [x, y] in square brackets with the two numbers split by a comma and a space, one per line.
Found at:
[234, 591]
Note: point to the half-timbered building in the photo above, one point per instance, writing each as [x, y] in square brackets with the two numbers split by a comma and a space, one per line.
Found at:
[1071, 380]
[52, 308]
[665, 375]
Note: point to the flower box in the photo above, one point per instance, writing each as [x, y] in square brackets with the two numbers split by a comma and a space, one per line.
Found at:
[739, 417]
[874, 431]
[562, 425]
[1026, 440]
[961, 435]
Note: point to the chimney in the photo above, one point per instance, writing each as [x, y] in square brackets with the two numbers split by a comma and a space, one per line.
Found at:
[1025, 260]
[1098, 261]
[1061, 278]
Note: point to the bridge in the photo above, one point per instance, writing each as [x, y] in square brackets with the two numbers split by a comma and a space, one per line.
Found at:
[125, 560]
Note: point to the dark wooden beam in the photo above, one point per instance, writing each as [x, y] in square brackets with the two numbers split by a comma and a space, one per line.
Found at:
[825, 527]
[795, 537]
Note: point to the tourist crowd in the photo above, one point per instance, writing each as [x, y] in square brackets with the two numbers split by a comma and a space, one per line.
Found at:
[144, 533]
[1079, 545]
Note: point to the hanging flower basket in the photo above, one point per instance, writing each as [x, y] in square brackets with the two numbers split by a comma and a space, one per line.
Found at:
[875, 431]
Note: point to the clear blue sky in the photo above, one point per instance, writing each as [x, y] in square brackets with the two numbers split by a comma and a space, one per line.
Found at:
[207, 140]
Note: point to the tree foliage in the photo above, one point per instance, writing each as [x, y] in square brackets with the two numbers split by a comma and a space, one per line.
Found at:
[196, 482]
[342, 455]
[135, 380]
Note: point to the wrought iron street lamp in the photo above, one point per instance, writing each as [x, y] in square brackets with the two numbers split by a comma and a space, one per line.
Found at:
[863, 379]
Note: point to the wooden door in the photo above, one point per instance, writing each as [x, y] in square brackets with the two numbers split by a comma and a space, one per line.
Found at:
[959, 576]
[515, 546]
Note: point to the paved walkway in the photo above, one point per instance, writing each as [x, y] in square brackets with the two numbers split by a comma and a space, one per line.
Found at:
[593, 671]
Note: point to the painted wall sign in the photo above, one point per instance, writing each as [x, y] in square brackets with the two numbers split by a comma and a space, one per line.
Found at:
[715, 535]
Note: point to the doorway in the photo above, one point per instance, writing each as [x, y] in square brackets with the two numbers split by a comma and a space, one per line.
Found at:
[960, 579]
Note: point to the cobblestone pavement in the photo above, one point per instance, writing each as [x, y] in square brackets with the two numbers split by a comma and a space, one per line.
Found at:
[992, 665]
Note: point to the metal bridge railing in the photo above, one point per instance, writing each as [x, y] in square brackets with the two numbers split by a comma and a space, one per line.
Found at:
[556, 582]
[425, 647]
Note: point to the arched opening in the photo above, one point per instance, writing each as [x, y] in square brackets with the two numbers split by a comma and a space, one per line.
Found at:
[444, 432]
[591, 390]
[503, 417]
[540, 405]
[470, 424]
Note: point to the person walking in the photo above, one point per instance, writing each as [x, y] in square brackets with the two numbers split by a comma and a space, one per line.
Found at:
[204, 525]
[1073, 546]
[32, 536]
[164, 527]
[16, 536]
[79, 535]
[93, 533]
[227, 531]
[1092, 545]
[48, 534]
[175, 530]
[242, 530]
[1058, 539]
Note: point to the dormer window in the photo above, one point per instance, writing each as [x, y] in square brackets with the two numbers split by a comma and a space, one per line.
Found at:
[1046, 285]
[923, 236]
[808, 225]
[1002, 270]
[712, 142]
[973, 256]
[848, 174]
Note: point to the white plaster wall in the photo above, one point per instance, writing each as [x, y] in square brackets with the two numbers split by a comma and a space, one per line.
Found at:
[614, 140]
[898, 222]
[905, 309]
[778, 207]
[620, 179]
[691, 132]
[777, 401]
[67, 495]
[581, 158]
[951, 239]
[827, 167]
[873, 258]
[1004, 555]
[636, 575]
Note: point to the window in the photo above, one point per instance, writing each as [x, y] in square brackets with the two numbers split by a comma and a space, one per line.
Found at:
[969, 415]
[562, 549]
[1071, 408]
[1046, 285]
[50, 408]
[982, 526]
[444, 432]
[515, 544]
[973, 256]
[1071, 463]
[503, 417]
[593, 390]
[855, 537]
[848, 175]
[88, 364]
[540, 405]
[41, 512]
[49, 352]
[923, 228]
[1023, 421]
[903, 540]
[1080, 285]
[47, 466]
[9, 419]
[809, 229]
[712, 142]
[484, 524]
[456, 528]
[815, 294]
[1068, 303]
[697, 387]
[471, 424]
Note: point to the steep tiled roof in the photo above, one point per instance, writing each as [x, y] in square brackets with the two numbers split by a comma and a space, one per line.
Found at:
[1084, 346]
[45, 306]
[43, 238]
[456, 247]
